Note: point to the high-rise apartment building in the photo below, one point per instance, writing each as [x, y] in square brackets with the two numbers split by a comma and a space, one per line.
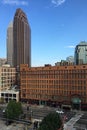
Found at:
[21, 39]
[81, 53]
[10, 44]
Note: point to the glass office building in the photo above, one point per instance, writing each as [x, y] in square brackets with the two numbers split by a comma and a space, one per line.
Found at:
[80, 56]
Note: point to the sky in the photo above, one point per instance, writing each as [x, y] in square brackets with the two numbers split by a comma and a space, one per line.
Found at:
[57, 26]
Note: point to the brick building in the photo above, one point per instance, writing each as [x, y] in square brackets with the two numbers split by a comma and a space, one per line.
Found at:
[58, 85]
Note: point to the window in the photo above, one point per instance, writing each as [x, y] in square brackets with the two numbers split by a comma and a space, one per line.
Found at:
[14, 95]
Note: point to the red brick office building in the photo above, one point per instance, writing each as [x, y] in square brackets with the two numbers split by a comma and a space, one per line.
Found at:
[54, 85]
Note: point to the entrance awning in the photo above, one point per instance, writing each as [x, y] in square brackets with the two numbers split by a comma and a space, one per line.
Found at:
[76, 100]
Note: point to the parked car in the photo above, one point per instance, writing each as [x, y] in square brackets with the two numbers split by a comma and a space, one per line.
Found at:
[60, 112]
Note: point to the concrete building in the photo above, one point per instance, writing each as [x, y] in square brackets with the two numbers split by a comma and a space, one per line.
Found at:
[81, 53]
[8, 95]
[2, 61]
[70, 59]
[63, 63]
[54, 84]
[7, 77]
[21, 39]
[10, 44]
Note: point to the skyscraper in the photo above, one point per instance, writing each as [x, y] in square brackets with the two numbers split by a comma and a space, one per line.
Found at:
[10, 44]
[81, 53]
[70, 59]
[21, 39]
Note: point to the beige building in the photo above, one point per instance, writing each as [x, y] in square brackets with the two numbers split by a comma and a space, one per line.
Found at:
[10, 95]
[7, 77]
[2, 61]
[10, 44]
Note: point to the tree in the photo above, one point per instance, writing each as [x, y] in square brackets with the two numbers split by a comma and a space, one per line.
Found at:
[13, 110]
[52, 121]
[1, 100]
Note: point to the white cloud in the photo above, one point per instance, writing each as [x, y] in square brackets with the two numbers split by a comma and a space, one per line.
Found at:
[57, 2]
[70, 46]
[15, 2]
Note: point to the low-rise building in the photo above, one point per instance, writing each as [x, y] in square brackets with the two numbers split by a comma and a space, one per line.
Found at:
[64, 63]
[9, 95]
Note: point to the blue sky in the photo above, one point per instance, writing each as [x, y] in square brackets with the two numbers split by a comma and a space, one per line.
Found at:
[57, 26]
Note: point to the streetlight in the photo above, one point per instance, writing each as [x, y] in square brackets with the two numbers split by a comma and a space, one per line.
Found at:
[31, 114]
[7, 123]
[27, 108]
[80, 104]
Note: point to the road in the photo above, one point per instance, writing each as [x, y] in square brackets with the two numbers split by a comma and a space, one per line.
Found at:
[39, 112]
[36, 112]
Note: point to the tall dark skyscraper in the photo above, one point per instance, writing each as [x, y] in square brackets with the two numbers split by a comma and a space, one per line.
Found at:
[21, 39]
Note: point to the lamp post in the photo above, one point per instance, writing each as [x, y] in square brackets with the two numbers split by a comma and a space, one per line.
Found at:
[6, 116]
[31, 114]
[80, 104]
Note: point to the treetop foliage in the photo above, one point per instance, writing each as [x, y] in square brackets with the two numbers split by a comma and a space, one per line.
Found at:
[52, 121]
[13, 110]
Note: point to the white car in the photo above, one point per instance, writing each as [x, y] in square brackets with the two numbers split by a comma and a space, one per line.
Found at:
[60, 112]
[3, 110]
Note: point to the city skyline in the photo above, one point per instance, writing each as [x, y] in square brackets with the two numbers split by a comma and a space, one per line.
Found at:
[57, 27]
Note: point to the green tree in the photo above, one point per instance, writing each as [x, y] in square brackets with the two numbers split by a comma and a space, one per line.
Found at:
[1, 100]
[52, 121]
[13, 110]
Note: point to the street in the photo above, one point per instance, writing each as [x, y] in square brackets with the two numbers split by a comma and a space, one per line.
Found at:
[38, 113]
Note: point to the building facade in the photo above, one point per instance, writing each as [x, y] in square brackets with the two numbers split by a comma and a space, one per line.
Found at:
[21, 39]
[10, 44]
[54, 84]
[7, 77]
[70, 59]
[3, 61]
[63, 63]
[81, 53]
[8, 95]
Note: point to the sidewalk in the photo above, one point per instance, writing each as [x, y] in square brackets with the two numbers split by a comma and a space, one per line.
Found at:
[13, 126]
[69, 125]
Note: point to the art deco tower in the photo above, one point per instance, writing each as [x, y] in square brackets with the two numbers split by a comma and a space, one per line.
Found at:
[21, 39]
[10, 44]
